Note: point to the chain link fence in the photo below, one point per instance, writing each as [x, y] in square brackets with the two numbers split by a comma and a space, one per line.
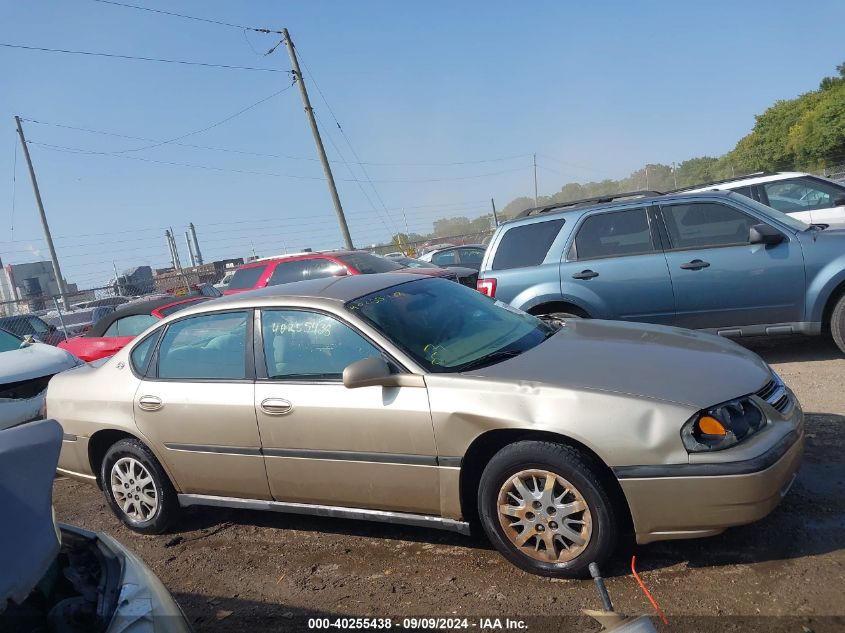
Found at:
[420, 247]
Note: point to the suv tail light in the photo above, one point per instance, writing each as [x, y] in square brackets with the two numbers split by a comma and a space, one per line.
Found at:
[486, 286]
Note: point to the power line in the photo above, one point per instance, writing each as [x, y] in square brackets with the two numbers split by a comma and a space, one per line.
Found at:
[84, 151]
[186, 17]
[208, 127]
[144, 59]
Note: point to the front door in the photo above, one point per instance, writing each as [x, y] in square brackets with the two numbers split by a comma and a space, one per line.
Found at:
[197, 406]
[722, 281]
[616, 267]
[371, 447]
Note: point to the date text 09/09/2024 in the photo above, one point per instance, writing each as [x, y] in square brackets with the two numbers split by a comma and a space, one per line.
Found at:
[415, 623]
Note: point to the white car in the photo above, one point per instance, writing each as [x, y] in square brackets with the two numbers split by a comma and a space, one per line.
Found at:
[812, 199]
[25, 369]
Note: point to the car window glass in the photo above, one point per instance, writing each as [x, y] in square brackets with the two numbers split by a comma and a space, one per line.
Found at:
[704, 224]
[470, 255]
[210, 346]
[614, 234]
[743, 191]
[309, 345]
[802, 194]
[38, 325]
[368, 264]
[526, 245]
[131, 325]
[301, 269]
[140, 356]
[246, 278]
[8, 341]
[446, 258]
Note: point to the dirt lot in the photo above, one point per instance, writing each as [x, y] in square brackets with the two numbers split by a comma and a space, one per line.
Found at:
[248, 571]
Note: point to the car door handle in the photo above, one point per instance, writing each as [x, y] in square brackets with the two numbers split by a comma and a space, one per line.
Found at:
[276, 406]
[585, 274]
[150, 403]
[696, 264]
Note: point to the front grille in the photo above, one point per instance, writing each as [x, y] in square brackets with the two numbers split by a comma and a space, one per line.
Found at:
[774, 392]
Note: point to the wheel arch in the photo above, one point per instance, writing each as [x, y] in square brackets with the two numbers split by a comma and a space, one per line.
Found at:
[100, 442]
[485, 446]
[832, 299]
[559, 306]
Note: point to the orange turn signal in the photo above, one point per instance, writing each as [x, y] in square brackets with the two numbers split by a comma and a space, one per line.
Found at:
[711, 426]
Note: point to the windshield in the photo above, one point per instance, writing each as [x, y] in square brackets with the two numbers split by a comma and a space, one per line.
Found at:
[8, 342]
[790, 221]
[367, 263]
[246, 278]
[447, 327]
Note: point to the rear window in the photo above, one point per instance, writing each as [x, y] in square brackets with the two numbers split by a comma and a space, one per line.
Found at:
[302, 269]
[246, 278]
[368, 264]
[526, 245]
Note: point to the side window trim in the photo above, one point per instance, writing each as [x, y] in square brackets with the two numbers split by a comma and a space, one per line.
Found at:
[152, 362]
[249, 362]
[672, 248]
[260, 366]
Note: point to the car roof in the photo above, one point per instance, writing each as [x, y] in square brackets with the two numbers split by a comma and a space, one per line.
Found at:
[750, 179]
[328, 289]
[136, 308]
[263, 261]
[619, 201]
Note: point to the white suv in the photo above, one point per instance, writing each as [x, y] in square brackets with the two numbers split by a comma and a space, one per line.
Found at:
[813, 199]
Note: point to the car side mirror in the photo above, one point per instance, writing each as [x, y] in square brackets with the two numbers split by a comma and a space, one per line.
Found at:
[764, 234]
[375, 372]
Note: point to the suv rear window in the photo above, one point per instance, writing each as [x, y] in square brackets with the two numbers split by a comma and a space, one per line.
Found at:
[246, 278]
[526, 245]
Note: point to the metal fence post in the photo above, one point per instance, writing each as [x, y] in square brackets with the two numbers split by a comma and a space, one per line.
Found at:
[61, 319]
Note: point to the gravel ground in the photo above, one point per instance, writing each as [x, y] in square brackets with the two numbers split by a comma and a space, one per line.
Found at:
[249, 571]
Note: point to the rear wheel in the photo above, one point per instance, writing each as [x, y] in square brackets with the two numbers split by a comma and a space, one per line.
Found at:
[137, 488]
[837, 323]
[543, 507]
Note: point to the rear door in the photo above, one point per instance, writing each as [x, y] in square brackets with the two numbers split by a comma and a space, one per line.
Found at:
[197, 406]
[615, 265]
[719, 279]
[324, 444]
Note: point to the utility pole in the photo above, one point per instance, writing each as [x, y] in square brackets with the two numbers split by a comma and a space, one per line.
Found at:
[190, 248]
[495, 217]
[309, 112]
[535, 180]
[674, 174]
[49, 238]
[646, 177]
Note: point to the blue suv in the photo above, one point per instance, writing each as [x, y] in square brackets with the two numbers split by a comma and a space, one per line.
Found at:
[715, 261]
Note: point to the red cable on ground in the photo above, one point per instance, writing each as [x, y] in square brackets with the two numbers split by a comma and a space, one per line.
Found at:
[646, 591]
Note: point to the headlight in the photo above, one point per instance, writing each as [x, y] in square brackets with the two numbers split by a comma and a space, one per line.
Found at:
[722, 426]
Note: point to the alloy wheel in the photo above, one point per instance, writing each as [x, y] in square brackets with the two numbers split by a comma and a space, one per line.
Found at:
[133, 489]
[544, 516]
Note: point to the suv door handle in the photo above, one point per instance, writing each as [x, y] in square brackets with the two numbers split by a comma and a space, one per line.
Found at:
[696, 264]
[276, 406]
[585, 274]
[150, 403]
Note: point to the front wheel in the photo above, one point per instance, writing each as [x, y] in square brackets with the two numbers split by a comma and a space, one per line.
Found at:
[837, 323]
[137, 488]
[543, 507]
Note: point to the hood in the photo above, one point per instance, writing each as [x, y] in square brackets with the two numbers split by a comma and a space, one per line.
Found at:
[34, 361]
[651, 361]
[29, 538]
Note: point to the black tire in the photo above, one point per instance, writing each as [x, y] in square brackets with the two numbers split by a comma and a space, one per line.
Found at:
[167, 503]
[574, 467]
[837, 323]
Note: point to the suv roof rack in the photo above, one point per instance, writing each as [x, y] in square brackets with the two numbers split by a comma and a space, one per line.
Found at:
[755, 174]
[645, 193]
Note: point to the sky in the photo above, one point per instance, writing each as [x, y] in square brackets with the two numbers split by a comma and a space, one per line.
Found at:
[444, 103]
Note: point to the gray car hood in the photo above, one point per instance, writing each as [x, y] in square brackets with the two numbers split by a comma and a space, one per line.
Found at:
[34, 361]
[29, 538]
[651, 361]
